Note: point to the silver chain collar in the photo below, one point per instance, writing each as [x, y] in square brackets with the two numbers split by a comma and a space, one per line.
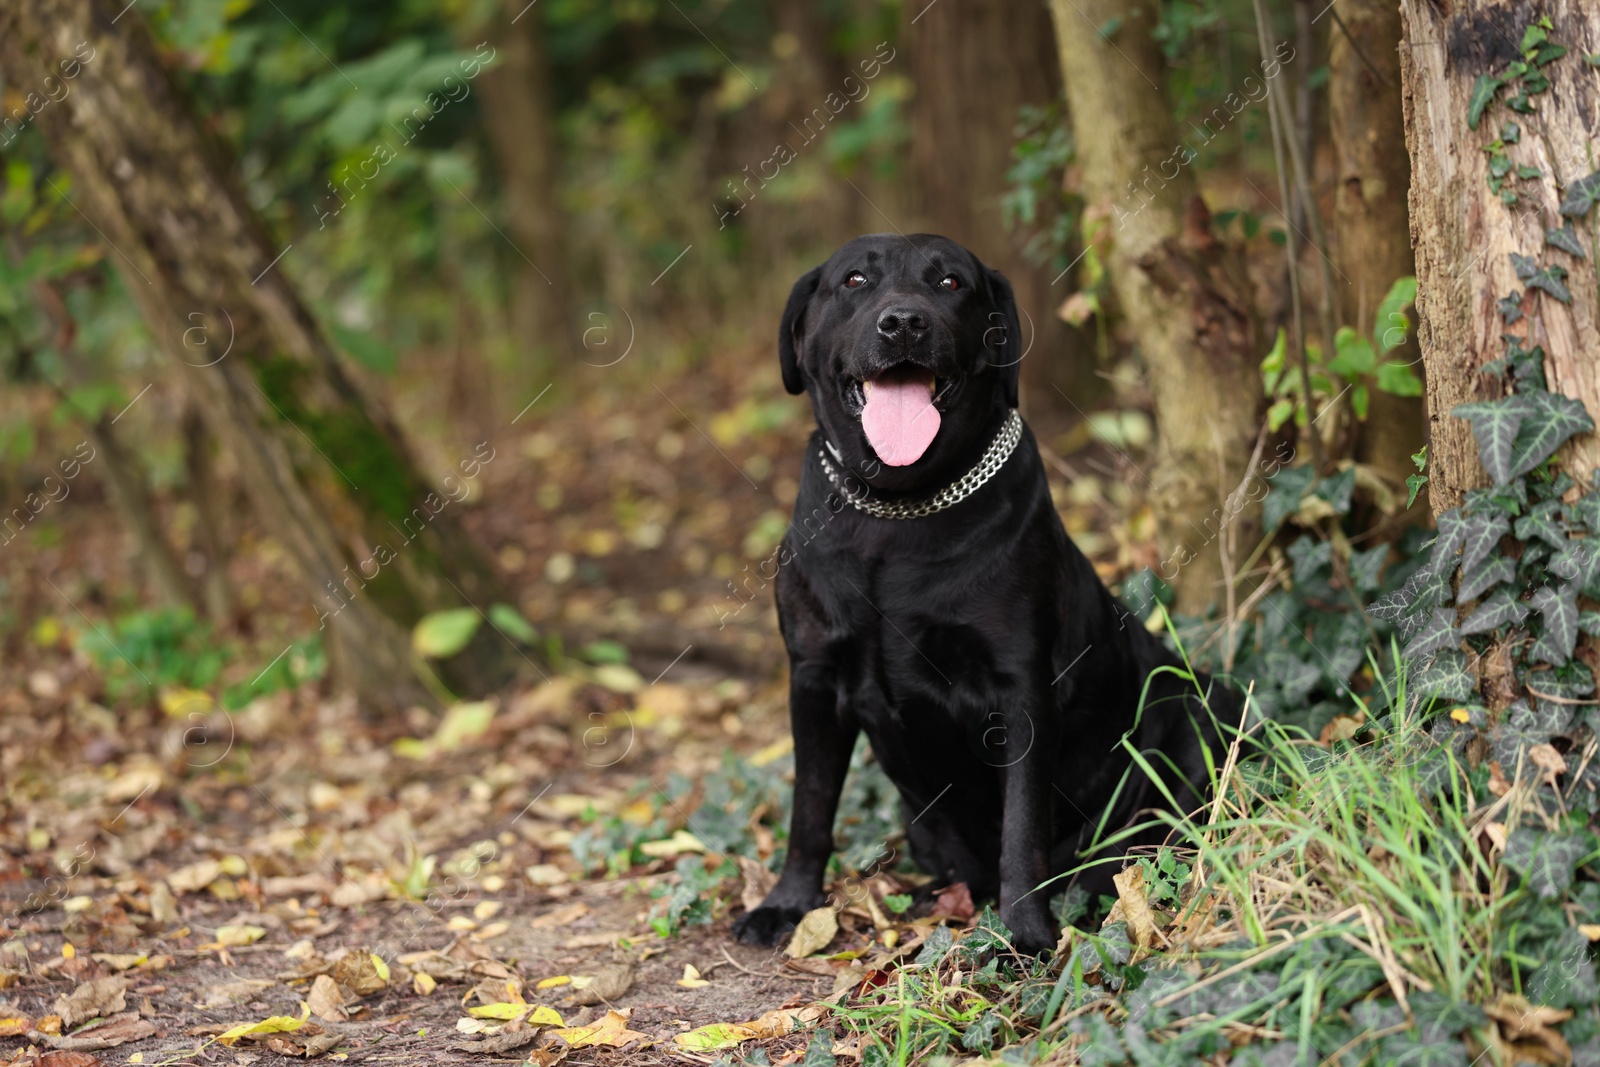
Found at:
[999, 451]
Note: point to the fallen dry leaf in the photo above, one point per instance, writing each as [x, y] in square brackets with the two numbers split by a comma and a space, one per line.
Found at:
[362, 973]
[326, 1002]
[691, 978]
[955, 902]
[605, 985]
[561, 916]
[103, 996]
[758, 881]
[195, 877]
[14, 1025]
[109, 1032]
[1131, 894]
[815, 930]
[611, 1030]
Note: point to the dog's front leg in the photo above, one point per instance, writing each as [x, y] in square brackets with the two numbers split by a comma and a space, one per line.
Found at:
[1025, 835]
[822, 745]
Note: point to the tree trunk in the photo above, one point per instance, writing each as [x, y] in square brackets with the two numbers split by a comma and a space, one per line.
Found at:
[125, 482]
[1464, 236]
[330, 478]
[518, 113]
[974, 63]
[206, 494]
[1373, 246]
[1186, 297]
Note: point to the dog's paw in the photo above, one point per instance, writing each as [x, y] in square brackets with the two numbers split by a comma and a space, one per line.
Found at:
[767, 926]
[1033, 943]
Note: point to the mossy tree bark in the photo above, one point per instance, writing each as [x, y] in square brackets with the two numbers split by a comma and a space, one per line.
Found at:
[1184, 296]
[328, 473]
[974, 64]
[1373, 237]
[1464, 236]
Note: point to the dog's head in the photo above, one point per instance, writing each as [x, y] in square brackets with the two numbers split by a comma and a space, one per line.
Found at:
[909, 346]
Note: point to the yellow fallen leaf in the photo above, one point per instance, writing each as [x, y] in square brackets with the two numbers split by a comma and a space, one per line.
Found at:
[537, 1014]
[551, 983]
[493, 930]
[1590, 930]
[424, 984]
[815, 930]
[713, 1037]
[235, 936]
[691, 978]
[50, 1024]
[461, 922]
[611, 1030]
[676, 845]
[181, 702]
[1131, 893]
[275, 1024]
[379, 966]
[67, 951]
[486, 909]
[1461, 715]
[15, 1025]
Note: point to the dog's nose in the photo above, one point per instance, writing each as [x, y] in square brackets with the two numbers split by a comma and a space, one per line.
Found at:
[902, 324]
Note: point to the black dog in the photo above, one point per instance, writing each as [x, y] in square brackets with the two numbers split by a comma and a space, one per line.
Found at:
[929, 595]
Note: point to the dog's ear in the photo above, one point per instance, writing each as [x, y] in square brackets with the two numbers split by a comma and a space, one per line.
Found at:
[1003, 338]
[792, 328]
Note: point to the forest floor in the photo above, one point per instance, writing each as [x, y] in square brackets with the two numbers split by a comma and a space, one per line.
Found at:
[182, 870]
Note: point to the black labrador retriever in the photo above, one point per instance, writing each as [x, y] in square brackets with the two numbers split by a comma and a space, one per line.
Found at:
[929, 596]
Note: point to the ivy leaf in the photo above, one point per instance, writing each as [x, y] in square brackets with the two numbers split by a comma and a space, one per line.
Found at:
[1559, 610]
[1365, 568]
[1483, 93]
[1494, 572]
[1553, 419]
[1481, 536]
[1495, 424]
[1510, 308]
[1353, 354]
[1578, 562]
[1546, 860]
[1390, 324]
[1581, 196]
[1551, 279]
[1414, 484]
[1439, 633]
[1446, 678]
[1501, 609]
[1398, 379]
[1338, 490]
[1565, 239]
[1540, 522]
[1289, 486]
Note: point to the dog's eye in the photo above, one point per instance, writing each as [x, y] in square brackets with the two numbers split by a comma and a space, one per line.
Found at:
[855, 280]
[950, 283]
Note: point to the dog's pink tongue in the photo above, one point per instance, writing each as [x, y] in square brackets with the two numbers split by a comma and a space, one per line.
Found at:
[900, 419]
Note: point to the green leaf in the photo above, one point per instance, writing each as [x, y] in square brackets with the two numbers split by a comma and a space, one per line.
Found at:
[1480, 537]
[1365, 568]
[1501, 609]
[1552, 420]
[442, 634]
[1338, 491]
[1391, 324]
[1565, 239]
[1547, 861]
[1439, 634]
[1398, 379]
[1483, 92]
[1494, 572]
[1353, 354]
[1495, 424]
[1446, 678]
[1540, 523]
[1551, 279]
[509, 621]
[1581, 196]
[1360, 401]
[365, 348]
[1559, 610]
[604, 651]
[1415, 483]
[1289, 487]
